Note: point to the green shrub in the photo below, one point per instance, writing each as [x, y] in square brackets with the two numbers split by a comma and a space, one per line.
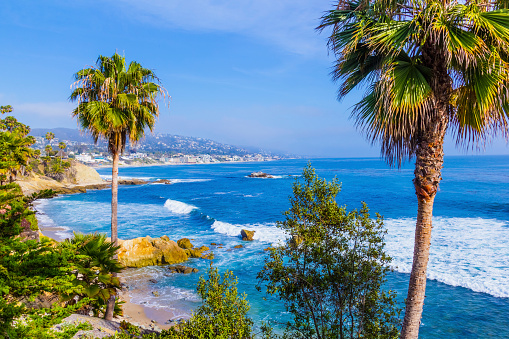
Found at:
[331, 270]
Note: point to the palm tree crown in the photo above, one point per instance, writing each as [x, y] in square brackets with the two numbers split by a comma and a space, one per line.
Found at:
[116, 102]
[417, 56]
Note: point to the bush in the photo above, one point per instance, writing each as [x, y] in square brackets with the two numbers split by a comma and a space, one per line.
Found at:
[223, 314]
[330, 272]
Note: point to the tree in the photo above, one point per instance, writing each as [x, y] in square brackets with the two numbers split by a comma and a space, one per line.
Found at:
[116, 103]
[50, 136]
[223, 313]
[15, 145]
[62, 146]
[428, 65]
[330, 271]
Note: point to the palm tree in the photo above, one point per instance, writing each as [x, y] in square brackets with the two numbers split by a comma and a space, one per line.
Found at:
[116, 103]
[62, 146]
[50, 136]
[427, 66]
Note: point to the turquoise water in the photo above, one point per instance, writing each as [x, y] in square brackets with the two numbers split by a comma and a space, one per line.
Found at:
[468, 284]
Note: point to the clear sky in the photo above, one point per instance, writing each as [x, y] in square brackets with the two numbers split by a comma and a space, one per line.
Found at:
[244, 72]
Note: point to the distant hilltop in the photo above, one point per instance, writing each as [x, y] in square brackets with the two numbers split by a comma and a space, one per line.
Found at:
[155, 146]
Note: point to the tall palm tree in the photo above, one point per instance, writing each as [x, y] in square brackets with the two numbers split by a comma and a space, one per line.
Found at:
[427, 66]
[62, 146]
[116, 103]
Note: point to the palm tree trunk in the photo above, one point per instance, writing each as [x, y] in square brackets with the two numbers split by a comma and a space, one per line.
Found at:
[428, 170]
[114, 236]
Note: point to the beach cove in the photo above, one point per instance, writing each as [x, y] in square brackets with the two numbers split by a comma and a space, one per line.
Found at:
[468, 289]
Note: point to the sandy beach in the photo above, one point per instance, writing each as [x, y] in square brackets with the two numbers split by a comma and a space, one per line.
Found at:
[136, 314]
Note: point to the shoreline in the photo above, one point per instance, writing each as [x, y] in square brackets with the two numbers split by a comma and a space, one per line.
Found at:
[137, 314]
[183, 164]
[140, 315]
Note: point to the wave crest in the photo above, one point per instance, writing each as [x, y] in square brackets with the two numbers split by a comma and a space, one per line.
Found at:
[179, 207]
[267, 232]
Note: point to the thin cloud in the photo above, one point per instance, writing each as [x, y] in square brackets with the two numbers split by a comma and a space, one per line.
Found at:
[284, 23]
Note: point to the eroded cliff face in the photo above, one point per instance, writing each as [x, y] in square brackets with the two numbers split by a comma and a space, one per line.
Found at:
[77, 175]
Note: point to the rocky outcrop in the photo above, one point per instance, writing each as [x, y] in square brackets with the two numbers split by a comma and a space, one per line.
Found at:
[196, 252]
[162, 181]
[84, 175]
[147, 251]
[247, 235]
[132, 182]
[260, 175]
[75, 180]
[185, 243]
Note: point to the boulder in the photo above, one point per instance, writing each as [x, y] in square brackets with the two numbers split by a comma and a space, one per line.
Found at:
[196, 252]
[185, 243]
[182, 269]
[260, 175]
[238, 246]
[209, 256]
[140, 252]
[247, 235]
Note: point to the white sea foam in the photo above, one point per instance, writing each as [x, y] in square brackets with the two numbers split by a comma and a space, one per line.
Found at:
[179, 207]
[179, 181]
[467, 252]
[267, 232]
[108, 177]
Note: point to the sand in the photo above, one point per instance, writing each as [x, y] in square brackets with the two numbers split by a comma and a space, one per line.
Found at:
[144, 316]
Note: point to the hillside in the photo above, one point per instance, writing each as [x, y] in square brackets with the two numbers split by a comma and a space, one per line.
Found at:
[163, 143]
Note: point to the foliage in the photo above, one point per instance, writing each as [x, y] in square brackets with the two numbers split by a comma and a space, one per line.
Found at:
[115, 101]
[94, 265]
[27, 270]
[420, 59]
[223, 314]
[15, 148]
[330, 273]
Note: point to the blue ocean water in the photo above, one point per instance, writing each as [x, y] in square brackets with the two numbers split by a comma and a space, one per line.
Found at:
[468, 275]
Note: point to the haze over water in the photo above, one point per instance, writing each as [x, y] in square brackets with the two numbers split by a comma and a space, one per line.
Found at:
[468, 285]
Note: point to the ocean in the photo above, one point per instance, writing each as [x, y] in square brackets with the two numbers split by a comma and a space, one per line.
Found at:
[467, 292]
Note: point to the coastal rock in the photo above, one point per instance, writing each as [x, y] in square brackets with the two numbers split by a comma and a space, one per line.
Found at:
[147, 251]
[196, 252]
[185, 243]
[84, 175]
[260, 175]
[132, 182]
[162, 181]
[182, 269]
[238, 246]
[247, 235]
[209, 256]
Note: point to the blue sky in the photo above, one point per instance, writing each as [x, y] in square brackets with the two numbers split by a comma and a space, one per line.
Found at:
[248, 73]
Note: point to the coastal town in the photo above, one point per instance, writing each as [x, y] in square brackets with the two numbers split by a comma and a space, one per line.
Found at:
[163, 149]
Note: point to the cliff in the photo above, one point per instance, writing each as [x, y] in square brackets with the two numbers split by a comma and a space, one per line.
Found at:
[77, 175]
